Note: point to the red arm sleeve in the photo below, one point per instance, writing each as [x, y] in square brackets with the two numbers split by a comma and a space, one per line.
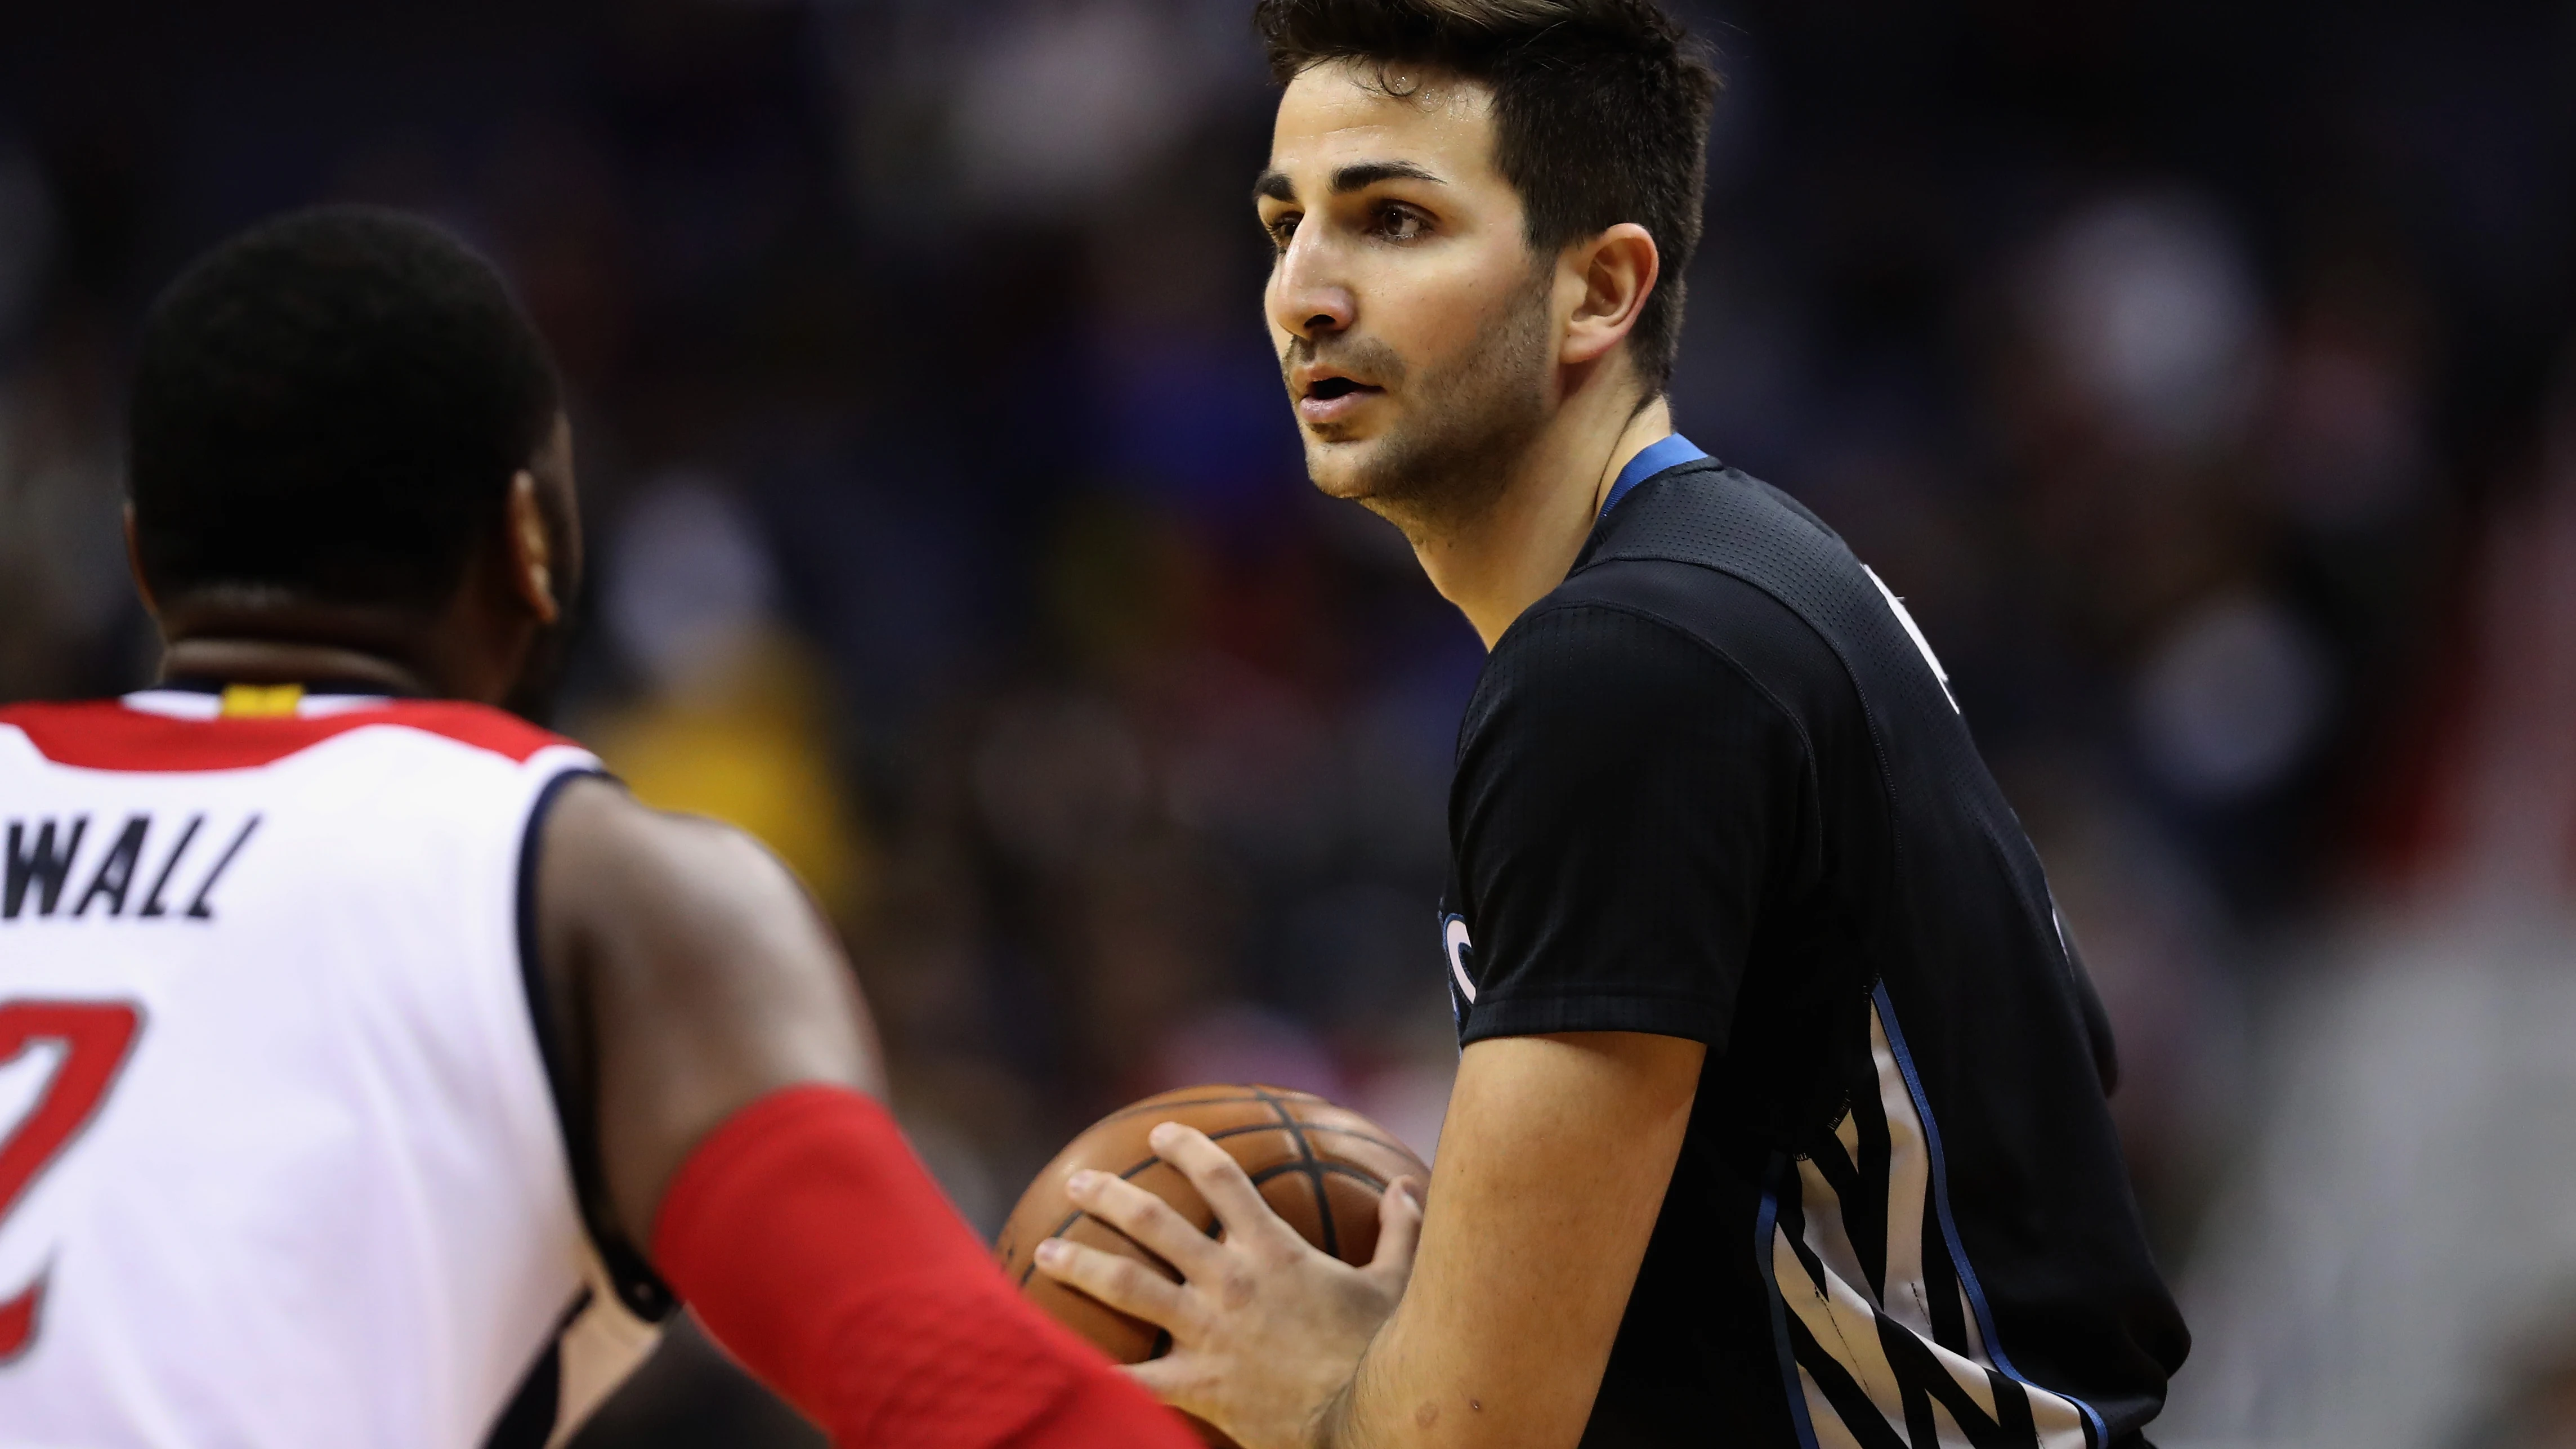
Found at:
[813, 1245]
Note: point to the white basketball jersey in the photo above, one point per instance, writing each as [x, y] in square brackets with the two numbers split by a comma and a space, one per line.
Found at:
[279, 1161]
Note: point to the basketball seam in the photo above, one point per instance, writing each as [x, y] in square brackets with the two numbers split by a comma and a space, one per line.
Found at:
[1313, 1166]
[1143, 1107]
[1078, 1215]
[1311, 1127]
[1318, 1171]
[1332, 1244]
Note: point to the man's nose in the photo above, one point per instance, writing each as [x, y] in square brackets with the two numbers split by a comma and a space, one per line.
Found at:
[1307, 299]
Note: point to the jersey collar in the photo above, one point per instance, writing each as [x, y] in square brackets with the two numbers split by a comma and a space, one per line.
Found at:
[1671, 452]
[194, 698]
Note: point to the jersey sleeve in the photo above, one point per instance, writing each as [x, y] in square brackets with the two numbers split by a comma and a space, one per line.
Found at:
[1626, 798]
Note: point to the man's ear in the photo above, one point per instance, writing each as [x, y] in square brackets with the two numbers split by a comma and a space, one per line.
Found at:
[532, 575]
[1618, 268]
[134, 564]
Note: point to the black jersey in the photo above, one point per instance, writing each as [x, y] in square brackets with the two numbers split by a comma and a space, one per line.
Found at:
[1714, 786]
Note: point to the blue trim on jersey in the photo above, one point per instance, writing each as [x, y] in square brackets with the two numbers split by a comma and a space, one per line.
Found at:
[1672, 452]
[1765, 1226]
[1950, 1226]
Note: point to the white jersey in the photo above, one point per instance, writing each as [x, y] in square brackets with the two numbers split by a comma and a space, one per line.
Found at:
[280, 1164]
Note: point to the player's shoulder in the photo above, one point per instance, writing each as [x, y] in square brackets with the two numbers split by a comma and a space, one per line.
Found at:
[1737, 536]
[1639, 660]
[1756, 574]
[1662, 588]
[607, 854]
[596, 813]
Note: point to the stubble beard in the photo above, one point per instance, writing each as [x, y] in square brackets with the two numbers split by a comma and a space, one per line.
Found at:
[1446, 464]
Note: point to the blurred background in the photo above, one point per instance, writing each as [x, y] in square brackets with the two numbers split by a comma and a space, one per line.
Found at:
[2202, 373]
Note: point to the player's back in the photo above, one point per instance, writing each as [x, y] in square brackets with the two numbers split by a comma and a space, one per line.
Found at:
[279, 1162]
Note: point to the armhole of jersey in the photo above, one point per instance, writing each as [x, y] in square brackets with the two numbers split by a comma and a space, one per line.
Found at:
[629, 1275]
[596, 1346]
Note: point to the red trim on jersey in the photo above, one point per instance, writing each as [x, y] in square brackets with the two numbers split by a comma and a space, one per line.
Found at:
[106, 735]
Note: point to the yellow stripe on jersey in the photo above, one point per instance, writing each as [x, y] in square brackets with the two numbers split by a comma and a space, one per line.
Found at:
[261, 701]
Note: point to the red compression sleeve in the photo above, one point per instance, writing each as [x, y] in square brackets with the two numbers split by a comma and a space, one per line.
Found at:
[814, 1246]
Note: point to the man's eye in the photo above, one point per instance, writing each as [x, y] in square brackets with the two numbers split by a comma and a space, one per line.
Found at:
[1401, 223]
[1281, 231]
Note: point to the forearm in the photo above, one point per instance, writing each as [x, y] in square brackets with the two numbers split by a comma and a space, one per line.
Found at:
[811, 1243]
[1398, 1398]
[1505, 1330]
[1349, 1419]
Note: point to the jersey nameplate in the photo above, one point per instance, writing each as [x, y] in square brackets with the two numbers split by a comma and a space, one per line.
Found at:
[129, 874]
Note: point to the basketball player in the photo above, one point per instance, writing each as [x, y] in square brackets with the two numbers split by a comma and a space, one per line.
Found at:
[1781, 1114]
[373, 1070]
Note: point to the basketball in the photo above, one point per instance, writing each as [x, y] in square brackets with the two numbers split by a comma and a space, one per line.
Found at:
[1317, 1165]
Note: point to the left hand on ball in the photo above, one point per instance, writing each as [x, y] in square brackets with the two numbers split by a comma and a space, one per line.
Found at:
[1266, 1328]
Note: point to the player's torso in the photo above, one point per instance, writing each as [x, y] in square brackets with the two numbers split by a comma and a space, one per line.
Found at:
[1815, 1277]
[278, 1159]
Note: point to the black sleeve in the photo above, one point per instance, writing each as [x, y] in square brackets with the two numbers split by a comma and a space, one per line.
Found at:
[1626, 800]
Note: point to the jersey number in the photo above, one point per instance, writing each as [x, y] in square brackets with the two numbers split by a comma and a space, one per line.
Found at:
[96, 1036]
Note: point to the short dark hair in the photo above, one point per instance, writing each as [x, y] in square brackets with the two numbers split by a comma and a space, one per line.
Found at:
[1601, 112]
[332, 404]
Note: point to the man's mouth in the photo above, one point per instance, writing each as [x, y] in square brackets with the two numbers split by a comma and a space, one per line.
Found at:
[1331, 399]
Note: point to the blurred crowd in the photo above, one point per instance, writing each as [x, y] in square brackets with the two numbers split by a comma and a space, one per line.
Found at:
[2202, 375]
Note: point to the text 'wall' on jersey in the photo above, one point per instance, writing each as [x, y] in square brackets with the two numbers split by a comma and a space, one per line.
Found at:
[146, 867]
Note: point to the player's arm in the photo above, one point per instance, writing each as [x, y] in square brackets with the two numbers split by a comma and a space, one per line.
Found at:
[692, 972]
[710, 1032]
[1627, 797]
[1553, 1164]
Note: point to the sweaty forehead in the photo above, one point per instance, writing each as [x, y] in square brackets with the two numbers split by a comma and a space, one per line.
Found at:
[1343, 111]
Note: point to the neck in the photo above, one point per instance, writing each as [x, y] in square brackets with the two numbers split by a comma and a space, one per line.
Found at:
[268, 661]
[1494, 566]
[270, 638]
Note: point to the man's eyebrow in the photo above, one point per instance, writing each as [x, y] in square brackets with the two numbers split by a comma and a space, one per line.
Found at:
[1358, 176]
[1361, 175]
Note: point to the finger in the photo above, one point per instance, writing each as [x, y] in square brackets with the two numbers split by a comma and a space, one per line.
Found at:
[1399, 1228]
[1146, 1218]
[1219, 1179]
[1160, 1377]
[1175, 1380]
[1115, 1279]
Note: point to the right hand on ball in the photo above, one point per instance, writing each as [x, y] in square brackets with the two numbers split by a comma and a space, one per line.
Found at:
[1266, 1329]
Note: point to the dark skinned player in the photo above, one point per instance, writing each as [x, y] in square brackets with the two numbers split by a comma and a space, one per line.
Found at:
[390, 1069]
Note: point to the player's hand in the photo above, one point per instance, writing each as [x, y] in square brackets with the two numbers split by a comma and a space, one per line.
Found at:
[1266, 1329]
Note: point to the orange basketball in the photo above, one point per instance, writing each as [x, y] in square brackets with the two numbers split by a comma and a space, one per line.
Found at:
[1320, 1167]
